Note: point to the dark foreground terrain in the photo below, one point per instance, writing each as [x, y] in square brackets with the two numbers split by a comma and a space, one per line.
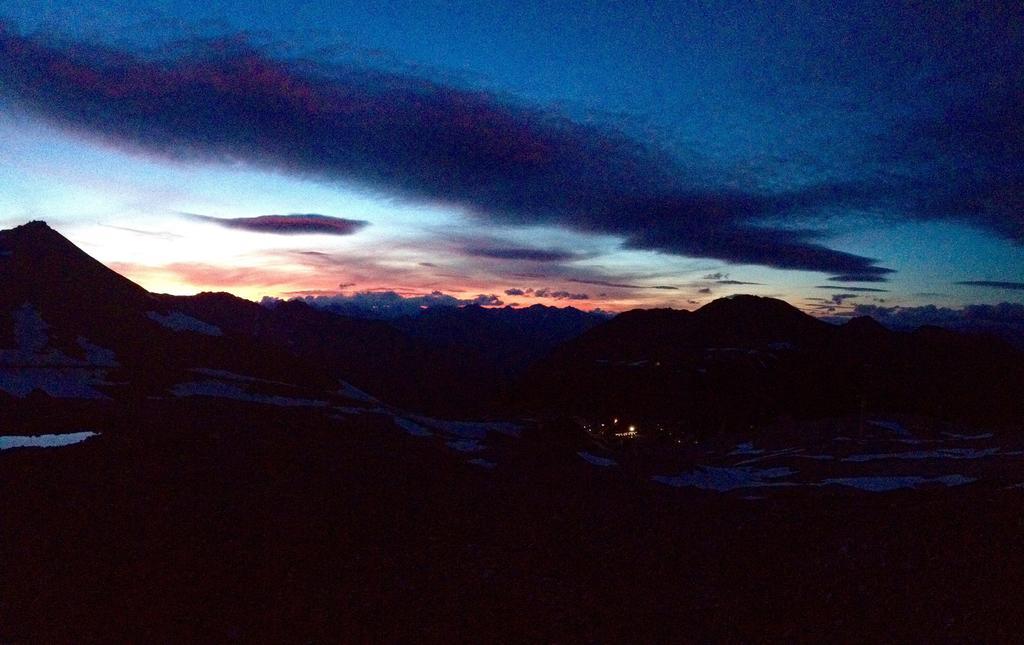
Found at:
[203, 519]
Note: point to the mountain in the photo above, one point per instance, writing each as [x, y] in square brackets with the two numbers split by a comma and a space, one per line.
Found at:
[373, 355]
[190, 469]
[72, 327]
[450, 360]
[508, 338]
[38, 266]
[663, 333]
[746, 360]
[734, 362]
[444, 360]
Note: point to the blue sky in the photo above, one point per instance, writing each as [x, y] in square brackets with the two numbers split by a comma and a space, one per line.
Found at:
[503, 146]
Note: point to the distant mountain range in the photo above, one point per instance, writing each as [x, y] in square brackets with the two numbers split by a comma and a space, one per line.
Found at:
[63, 310]
[444, 359]
[745, 360]
[188, 469]
[735, 362]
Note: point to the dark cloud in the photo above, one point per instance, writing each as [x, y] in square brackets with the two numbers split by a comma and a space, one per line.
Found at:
[310, 292]
[946, 142]
[973, 152]
[995, 284]
[428, 264]
[619, 285]
[605, 283]
[488, 300]
[840, 298]
[293, 224]
[566, 295]
[861, 277]
[518, 253]
[723, 278]
[704, 290]
[227, 101]
[954, 149]
[547, 293]
[857, 289]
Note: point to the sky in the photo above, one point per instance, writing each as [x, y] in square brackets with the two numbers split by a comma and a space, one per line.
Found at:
[595, 154]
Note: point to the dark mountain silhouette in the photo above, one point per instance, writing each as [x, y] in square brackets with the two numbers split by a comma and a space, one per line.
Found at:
[371, 354]
[36, 256]
[738, 321]
[745, 360]
[507, 337]
[229, 488]
[73, 312]
[443, 360]
[41, 267]
[735, 362]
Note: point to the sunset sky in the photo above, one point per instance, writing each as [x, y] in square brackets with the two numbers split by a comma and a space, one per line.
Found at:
[595, 154]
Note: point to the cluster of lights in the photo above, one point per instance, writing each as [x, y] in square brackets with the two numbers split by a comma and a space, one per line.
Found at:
[630, 431]
[625, 431]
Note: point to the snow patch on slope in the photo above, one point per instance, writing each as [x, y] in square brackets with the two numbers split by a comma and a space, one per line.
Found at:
[604, 462]
[412, 427]
[895, 427]
[33, 365]
[725, 479]
[352, 392]
[58, 382]
[471, 429]
[232, 376]
[941, 453]
[229, 391]
[465, 445]
[43, 440]
[96, 355]
[177, 321]
[883, 483]
[746, 449]
[968, 437]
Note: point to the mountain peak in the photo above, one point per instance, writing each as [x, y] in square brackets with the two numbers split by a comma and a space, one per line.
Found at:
[38, 263]
[34, 230]
[865, 324]
[36, 235]
[749, 304]
[36, 224]
[746, 318]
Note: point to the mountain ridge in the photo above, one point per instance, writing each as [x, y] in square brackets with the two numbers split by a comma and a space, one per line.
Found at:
[739, 352]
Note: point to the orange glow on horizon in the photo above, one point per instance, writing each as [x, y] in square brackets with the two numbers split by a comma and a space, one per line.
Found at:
[254, 283]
